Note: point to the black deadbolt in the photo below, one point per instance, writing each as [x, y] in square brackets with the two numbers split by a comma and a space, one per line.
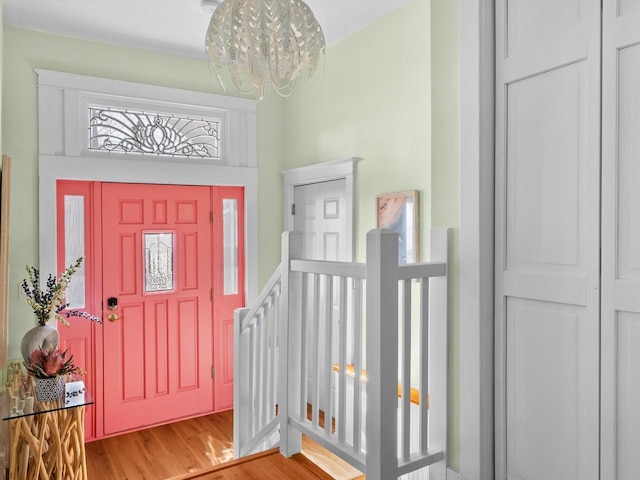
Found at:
[112, 303]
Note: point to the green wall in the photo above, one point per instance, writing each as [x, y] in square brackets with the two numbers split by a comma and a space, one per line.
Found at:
[25, 50]
[388, 95]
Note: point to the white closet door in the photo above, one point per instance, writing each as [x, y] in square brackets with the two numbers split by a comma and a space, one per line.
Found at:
[547, 239]
[621, 241]
[320, 214]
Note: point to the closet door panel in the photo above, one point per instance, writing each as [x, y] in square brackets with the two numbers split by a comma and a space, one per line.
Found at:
[627, 391]
[628, 8]
[540, 35]
[545, 360]
[528, 22]
[546, 187]
[547, 239]
[628, 193]
[620, 317]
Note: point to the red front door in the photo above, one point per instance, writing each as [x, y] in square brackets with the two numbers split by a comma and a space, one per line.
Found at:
[157, 278]
[170, 275]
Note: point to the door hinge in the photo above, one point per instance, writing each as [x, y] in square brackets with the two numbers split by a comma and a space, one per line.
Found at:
[211, 295]
[293, 209]
[211, 217]
[213, 372]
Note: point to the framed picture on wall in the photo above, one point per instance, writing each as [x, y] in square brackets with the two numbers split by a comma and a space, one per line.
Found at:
[400, 212]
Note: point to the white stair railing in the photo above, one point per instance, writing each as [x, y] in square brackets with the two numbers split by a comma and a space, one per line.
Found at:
[256, 367]
[368, 419]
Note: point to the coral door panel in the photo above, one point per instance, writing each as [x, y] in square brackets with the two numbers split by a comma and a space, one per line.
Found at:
[75, 219]
[228, 284]
[157, 287]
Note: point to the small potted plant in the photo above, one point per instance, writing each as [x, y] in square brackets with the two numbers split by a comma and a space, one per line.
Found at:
[49, 367]
[46, 305]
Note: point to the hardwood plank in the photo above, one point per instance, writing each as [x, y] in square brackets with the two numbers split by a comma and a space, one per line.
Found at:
[270, 465]
[101, 460]
[177, 438]
[147, 462]
[304, 460]
[334, 466]
[228, 465]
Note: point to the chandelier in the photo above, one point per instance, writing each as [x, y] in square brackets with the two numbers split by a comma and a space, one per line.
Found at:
[262, 44]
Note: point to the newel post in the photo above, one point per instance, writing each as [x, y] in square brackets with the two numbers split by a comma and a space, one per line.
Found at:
[289, 344]
[382, 355]
[439, 353]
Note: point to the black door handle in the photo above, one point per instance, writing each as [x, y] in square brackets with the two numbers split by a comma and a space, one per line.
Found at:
[112, 303]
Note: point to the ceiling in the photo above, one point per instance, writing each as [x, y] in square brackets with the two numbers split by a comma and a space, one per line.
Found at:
[176, 27]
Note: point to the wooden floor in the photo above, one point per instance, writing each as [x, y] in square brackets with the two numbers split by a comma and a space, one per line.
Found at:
[198, 448]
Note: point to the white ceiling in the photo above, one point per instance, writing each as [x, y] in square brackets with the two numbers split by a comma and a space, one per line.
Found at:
[176, 27]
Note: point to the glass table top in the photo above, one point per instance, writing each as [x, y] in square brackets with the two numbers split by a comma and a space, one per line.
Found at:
[20, 398]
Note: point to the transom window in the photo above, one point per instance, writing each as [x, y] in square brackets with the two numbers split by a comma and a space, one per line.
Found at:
[122, 130]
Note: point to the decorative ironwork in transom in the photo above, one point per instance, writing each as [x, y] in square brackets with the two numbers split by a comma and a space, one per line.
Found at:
[130, 131]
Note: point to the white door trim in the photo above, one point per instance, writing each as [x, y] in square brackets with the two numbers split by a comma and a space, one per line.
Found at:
[477, 133]
[323, 172]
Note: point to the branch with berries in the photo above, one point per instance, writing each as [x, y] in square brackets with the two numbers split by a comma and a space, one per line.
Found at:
[52, 299]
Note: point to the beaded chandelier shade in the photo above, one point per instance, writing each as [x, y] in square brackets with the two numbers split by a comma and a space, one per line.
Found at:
[260, 44]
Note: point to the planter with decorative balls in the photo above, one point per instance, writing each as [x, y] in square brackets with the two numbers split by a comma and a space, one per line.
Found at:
[50, 368]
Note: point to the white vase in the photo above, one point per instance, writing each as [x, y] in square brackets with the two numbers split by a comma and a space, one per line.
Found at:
[45, 337]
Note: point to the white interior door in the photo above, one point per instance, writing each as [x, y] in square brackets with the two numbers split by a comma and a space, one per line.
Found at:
[621, 240]
[547, 239]
[320, 214]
